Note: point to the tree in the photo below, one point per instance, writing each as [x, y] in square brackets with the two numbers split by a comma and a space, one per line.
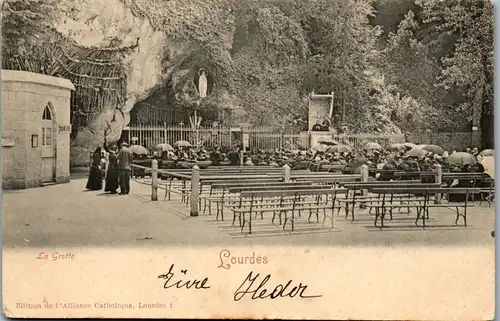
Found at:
[264, 74]
[267, 56]
[406, 61]
[399, 112]
[24, 23]
[470, 66]
[342, 49]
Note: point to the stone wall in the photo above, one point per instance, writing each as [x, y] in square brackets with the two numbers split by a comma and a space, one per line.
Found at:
[24, 98]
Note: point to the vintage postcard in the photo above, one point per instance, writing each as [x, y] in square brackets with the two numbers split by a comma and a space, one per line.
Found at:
[293, 159]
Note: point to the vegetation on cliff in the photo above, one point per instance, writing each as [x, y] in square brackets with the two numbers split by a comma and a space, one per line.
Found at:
[31, 43]
[394, 66]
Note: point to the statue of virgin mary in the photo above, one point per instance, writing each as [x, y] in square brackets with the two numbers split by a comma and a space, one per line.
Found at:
[202, 84]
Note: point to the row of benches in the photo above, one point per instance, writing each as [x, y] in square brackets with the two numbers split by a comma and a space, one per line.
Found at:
[244, 198]
[251, 194]
[288, 200]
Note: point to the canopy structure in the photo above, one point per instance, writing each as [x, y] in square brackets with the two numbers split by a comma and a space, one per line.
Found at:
[139, 150]
[487, 152]
[320, 148]
[164, 147]
[182, 143]
[416, 152]
[327, 141]
[339, 149]
[397, 148]
[372, 146]
[98, 74]
[434, 149]
[460, 158]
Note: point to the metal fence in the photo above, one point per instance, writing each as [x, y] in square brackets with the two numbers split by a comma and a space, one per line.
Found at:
[150, 135]
[448, 140]
[358, 141]
[209, 137]
[272, 138]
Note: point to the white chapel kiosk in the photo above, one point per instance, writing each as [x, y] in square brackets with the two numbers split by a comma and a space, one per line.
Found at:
[35, 129]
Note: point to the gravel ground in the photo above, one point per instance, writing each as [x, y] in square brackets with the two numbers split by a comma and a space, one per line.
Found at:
[67, 215]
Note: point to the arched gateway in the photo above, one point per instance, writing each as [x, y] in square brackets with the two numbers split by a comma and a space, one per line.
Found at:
[48, 146]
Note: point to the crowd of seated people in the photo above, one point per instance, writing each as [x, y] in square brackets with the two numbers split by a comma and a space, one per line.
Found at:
[308, 159]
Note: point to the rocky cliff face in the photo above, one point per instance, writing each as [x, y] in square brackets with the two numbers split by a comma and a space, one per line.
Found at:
[105, 23]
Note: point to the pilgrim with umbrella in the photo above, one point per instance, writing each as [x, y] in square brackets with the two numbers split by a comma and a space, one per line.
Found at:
[139, 151]
[164, 150]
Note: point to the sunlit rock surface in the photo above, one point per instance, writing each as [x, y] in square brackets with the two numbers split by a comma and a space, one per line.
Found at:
[105, 23]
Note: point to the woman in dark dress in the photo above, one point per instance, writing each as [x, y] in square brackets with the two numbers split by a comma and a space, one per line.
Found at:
[112, 173]
[95, 177]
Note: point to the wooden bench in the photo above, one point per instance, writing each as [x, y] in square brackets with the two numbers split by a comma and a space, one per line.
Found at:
[401, 175]
[200, 164]
[185, 191]
[472, 180]
[329, 177]
[168, 174]
[464, 175]
[332, 168]
[372, 172]
[447, 177]
[239, 202]
[171, 175]
[423, 207]
[209, 181]
[243, 168]
[489, 190]
[296, 204]
[366, 186]
[225, 187]
[297, 176]
[397, 201]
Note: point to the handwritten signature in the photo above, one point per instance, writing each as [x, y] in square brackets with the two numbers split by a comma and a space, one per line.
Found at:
[250, 286]
[260, 292]
[195, 284]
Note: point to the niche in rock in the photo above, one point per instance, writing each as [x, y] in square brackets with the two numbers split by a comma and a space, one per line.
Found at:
[163, 106]
[157, 109]
[174, 101]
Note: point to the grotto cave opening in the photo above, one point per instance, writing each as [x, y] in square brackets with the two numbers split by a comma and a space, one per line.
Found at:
[173, 103]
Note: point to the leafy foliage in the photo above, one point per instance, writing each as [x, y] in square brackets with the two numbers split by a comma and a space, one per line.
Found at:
[470, 65]
[23, 21]
[432, 61]
[441, 54]
[342, 50]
